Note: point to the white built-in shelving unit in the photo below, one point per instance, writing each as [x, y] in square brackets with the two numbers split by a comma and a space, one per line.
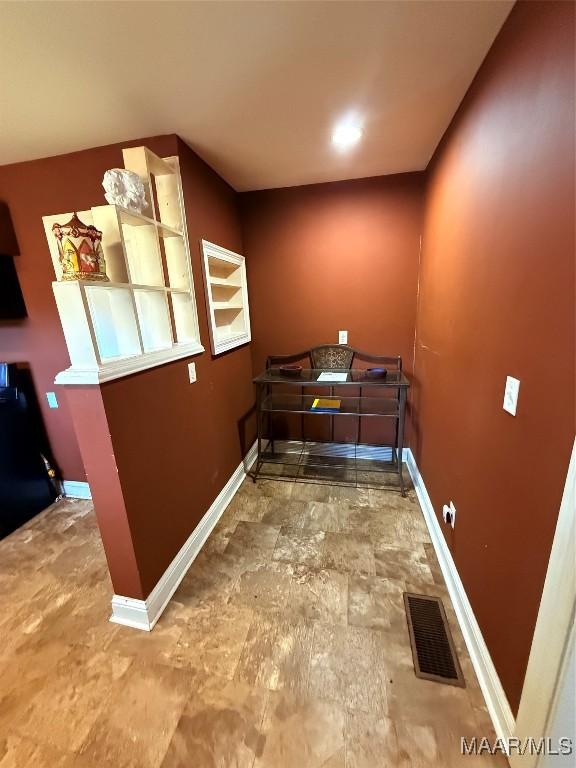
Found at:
[146, 314]
[226, 297]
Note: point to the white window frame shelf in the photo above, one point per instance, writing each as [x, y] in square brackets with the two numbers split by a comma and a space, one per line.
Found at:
[92, 338]
[237, 305]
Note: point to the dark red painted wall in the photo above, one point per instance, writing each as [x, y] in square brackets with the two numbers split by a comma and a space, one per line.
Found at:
[174, 444]
[29, 191]
[497, 299]
[177, 444]
[330, 257]
[106, 485]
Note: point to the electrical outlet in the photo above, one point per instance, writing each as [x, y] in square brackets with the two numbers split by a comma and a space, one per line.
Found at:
[52, 401]
[511, 395]
[449, 513]
[342, 337]
[192, 372]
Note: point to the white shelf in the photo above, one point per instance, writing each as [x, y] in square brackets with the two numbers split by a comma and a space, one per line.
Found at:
[169, 212]
[154, 319]
[113, 320]
[177, 261]
[115, 369]
[145, 315]
[221, 270]
[163, 189]
[133, 218]
[165, 231]
[226, 297]
[222, 306]
[143, 254]
[183, 318]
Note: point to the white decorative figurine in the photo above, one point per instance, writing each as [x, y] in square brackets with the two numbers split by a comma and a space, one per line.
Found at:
[125, 188]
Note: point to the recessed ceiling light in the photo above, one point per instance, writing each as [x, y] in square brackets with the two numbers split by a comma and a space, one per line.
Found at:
[346, 134]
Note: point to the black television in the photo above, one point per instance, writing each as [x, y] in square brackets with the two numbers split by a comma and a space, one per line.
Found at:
[12, 305]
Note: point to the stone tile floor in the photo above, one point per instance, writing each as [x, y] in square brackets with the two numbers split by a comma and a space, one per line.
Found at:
[284, 647]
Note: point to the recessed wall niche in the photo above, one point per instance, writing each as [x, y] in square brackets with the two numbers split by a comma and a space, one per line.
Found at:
[226, 297]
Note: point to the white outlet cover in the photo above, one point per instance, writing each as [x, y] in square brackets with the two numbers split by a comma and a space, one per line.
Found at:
[342, 337]
[445, 510]
[52, 400]
[192, 372]
[511, 395]
[452, 509]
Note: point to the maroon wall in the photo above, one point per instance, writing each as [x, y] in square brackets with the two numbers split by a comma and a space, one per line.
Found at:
[176, 444]
[32, 190]
[497, 299]
[329, 257]
[94, 439]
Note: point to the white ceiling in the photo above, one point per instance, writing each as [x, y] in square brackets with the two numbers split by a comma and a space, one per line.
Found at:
[254, 87]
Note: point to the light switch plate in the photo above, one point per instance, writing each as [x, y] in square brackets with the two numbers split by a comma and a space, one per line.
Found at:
[511, 395]
[52, 401]
[192, 372]
[342, 337]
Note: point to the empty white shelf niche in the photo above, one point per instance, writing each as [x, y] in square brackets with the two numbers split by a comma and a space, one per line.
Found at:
[226, 297]
[146, 314]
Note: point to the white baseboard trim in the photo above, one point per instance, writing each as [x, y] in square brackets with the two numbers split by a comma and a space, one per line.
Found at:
[143, 614]
[74, 489]
[494, 694]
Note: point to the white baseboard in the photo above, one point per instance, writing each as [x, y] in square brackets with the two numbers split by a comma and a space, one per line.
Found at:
[74, 489]
[494, 694]
[143, 614]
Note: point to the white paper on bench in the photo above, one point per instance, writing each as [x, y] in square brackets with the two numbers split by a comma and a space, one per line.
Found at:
[332, 376]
